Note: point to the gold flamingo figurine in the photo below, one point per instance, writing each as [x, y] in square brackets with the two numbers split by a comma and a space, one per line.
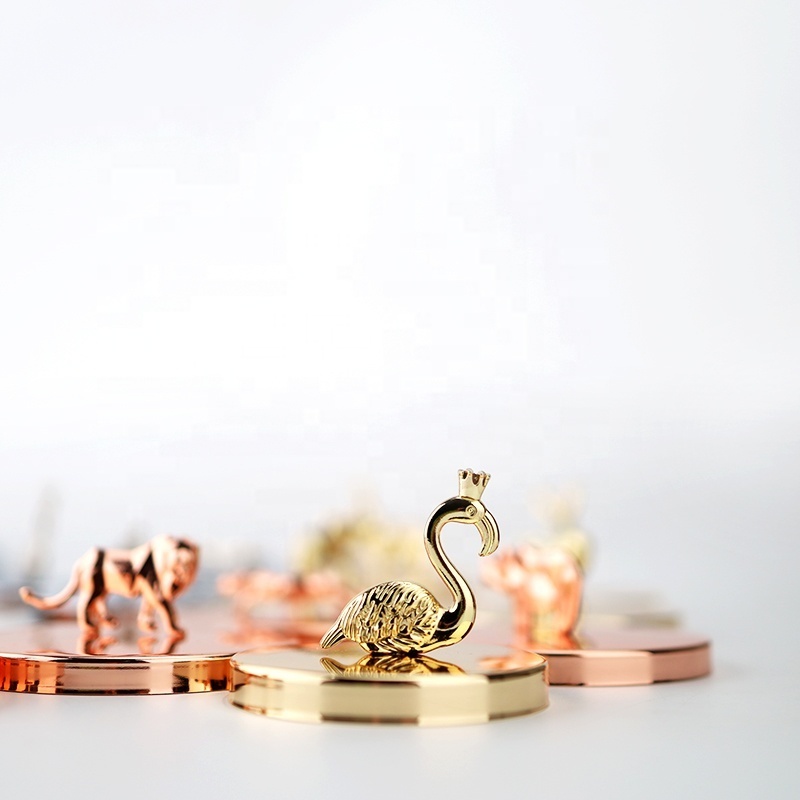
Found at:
[402, 617]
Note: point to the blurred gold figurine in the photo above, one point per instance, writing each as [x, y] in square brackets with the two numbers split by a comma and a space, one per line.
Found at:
[545, 581]
[157, 571]
[362, 549]
[402, 617]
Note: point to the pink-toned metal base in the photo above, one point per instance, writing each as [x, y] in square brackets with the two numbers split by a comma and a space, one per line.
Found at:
[50, 656]
[628, 658]
[619, 657]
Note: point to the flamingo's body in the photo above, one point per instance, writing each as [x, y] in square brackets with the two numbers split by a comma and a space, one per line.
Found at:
[401, 617]
[389, 617]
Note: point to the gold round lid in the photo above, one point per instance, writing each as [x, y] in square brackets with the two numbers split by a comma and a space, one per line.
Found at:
[464, 684]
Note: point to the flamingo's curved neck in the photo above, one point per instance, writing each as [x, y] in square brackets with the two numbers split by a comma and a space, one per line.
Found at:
[457, 621]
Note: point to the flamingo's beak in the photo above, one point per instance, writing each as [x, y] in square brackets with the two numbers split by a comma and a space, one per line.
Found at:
[490, 533]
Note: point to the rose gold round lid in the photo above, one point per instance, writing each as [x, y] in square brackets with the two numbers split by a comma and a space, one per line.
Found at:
[48, 656]
[616, 657]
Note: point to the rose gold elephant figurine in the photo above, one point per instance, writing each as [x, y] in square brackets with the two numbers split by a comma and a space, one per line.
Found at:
[545, 583]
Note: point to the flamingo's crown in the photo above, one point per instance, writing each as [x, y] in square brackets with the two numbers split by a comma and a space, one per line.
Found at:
[471, 484]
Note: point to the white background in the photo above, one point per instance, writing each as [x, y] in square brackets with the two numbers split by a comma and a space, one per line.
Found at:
[254, 255]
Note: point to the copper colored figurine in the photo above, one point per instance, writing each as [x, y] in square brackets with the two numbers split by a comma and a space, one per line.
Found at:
[545, 583]
[157, 571]
[314, 592]
[402, 617]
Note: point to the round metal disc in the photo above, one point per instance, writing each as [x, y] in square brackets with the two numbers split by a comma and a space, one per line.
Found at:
[626, 657]
[49, 657]
[462, 684]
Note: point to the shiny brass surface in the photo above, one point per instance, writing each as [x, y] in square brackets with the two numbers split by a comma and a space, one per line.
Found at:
[50, 657]
[402, 617]
[476, 684]
[157, 572]
[378, 664]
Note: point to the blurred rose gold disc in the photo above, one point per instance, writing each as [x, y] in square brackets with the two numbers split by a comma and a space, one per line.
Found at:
[49, 657]
[630, 657]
